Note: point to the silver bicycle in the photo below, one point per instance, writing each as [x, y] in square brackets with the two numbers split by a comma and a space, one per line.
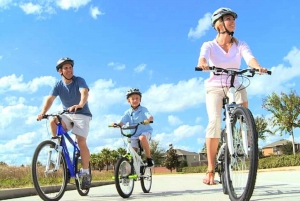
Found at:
[131, 167]
[237, 158]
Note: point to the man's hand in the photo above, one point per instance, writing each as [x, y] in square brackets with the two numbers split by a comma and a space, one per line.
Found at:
[74, 108]
[40, 117]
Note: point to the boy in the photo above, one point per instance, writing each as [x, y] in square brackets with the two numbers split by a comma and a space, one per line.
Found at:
[134, 115]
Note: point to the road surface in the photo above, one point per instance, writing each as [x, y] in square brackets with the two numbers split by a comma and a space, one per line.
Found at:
[270, 186]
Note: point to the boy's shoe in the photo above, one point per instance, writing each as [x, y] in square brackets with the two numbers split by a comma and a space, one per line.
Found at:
[86, 181]
[150, 162]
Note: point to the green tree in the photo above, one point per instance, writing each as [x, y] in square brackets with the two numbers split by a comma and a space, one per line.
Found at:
[157, 153]
[171, 160]
[285, 109]
[261, 127]
[115, 155]
[287, 148]
[204, 149]
[121, 151]
[106, 157]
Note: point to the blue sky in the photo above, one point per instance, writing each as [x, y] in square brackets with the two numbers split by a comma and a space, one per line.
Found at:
[150, 45]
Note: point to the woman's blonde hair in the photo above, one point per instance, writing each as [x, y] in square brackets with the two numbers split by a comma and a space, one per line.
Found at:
[217, 25]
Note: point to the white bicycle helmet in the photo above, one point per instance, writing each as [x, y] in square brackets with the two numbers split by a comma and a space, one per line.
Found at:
[62, 61]
[133, 91]
[220, 13]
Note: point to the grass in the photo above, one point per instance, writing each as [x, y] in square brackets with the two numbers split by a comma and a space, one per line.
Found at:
[20, 177]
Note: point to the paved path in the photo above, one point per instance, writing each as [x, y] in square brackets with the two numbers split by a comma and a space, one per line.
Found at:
[270, 186]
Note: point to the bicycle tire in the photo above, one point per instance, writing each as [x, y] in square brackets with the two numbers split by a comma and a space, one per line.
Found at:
[46, 184]
[146, 179]
[222, 165]
[124, 184]
[234, 174]
[78, 165]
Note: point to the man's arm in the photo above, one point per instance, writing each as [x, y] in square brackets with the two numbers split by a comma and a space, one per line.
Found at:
[84, 97]
[46, 107]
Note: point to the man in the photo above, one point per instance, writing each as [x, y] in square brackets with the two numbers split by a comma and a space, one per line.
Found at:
[73, 93]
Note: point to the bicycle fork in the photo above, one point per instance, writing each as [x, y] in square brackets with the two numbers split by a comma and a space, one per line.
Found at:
[230, 139]
[57, 161]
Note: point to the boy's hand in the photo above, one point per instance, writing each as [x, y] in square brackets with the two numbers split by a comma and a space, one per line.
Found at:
[112, 124]
[146, 121]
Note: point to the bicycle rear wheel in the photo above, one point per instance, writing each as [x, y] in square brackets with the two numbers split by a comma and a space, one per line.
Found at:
[78, 166]
[50, 184]
[241, 167]
[146, 180]
[124, 180]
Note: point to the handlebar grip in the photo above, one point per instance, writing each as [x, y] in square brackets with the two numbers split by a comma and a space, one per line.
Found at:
[151, 122]
[269, 72]
[198, 69]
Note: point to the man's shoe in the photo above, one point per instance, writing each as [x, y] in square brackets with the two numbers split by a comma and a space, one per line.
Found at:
[86, 181]
[150, 162]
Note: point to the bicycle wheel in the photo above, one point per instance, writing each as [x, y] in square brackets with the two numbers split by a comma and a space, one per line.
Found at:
[78, 166]
[222, 165]
[241, 167]
[50, 184]
[146, 180]
[124, 183]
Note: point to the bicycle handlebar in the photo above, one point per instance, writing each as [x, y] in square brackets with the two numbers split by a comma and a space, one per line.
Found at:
[217, 70]
[45, 116]
[129, 127]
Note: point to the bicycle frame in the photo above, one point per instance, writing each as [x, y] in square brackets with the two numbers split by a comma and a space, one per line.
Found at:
[62, 148]
[228, 107]
[135, 157]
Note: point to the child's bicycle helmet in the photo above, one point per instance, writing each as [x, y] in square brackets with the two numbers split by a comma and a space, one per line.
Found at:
[133, 91]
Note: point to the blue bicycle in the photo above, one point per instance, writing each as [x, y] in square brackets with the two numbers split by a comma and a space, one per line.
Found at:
[52, 167]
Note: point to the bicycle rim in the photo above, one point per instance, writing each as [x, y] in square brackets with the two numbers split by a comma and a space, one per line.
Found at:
[78, 165]
[146, 180]
[241, 168]
[50, 185]
[124, 184]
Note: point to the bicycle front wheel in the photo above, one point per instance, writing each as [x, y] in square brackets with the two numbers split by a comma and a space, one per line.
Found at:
[222, 165]
[124, 180]
[78, 179]
[146, 180]
[241, 167]
[49, 182]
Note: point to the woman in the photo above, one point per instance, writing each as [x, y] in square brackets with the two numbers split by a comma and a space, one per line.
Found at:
[224, 51]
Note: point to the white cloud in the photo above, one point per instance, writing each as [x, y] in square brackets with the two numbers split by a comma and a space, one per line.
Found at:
[198, 120]
[67, 4]
[184, 94]
[1, 56]
[140, 68]
[173, 120]
[94, 11]
[203, 25]
[281, 78]
[30, 8]
[13, 83]
[182, 132]
[117, 66]
[103, 94]
[5, 3]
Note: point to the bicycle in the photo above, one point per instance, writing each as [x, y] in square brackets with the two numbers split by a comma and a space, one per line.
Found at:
[237, 158]
[52, 167]
[131, 167]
